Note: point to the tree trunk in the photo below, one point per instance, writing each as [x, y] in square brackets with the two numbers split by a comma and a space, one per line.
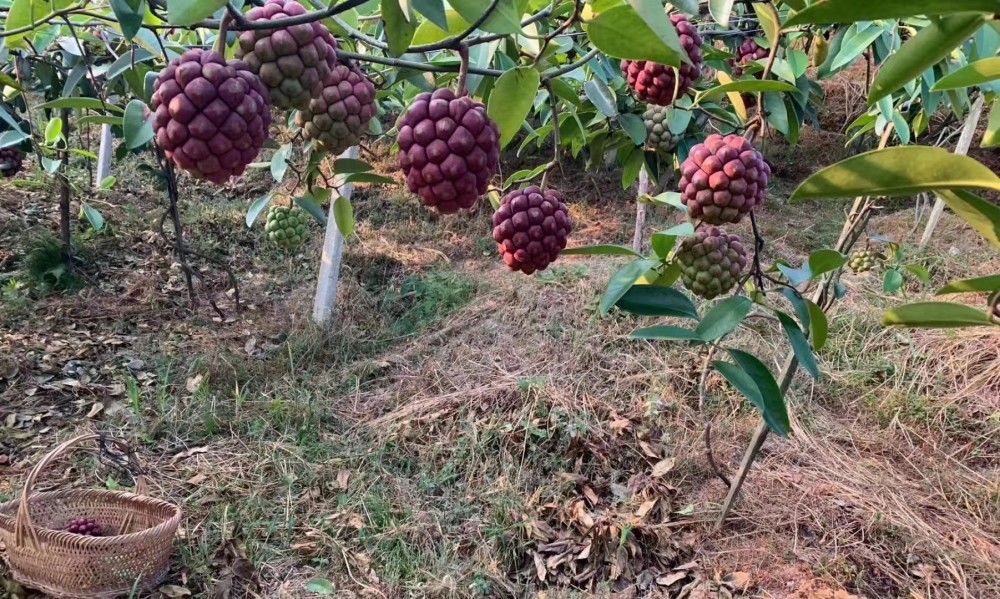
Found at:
[65, 214]
[641, 210]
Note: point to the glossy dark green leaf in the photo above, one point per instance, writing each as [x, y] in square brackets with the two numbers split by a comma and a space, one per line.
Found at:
[652, 300]
[400, 26]
[850, 11]
[724, 317]
[981, 215]
[343, 166]
[666, 333]
[620, 32]
[798, 303]
[799, 344]
[898, 171]
[525, 175]
[189, 12]
[633, 125]
[79, 104]
[892, 281]
[986, 284]
[312, 207]
[506, 17]
[623, 280]
[976, 73]
[796, 276]
[818, 325]
[601, 250]
[130, 14]
[921, 52]
[822, 261]
[859, 36]
[433, 11]
[748, 86]
[24, 13]
[601, 96]
[933, 315]
[511, 100]
[633, 164]
[754, 380]
[369, 178]
[137, 128]
[258, 206]
[93, 216]
[343, 215]
[920, 271]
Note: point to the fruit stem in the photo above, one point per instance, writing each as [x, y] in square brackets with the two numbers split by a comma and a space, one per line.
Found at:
[463, 71]
[555, 133]
[220, 42]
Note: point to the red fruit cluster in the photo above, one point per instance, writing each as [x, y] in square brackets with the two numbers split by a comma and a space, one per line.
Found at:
[11, 160]
[655, 83]
[293, 62]
[87, 527]
[339, 116]
[723, 179]
[448, 149]
[531, 227]
[211, 115]
[748, 52]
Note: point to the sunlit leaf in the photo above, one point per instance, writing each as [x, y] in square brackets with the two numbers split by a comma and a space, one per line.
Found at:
[748, 86]
[601, 250]
[623, 280]
[601, 96]
[620, 32]
[976, 73]
[754, 380]
[724, 317]
[850, 11]
[986, 284]
[935, 315]
[981, 215]
[399, 26]
[189, 12]
[652, 300]
[513, 95]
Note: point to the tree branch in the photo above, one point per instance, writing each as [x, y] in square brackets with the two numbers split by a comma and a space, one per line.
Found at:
[419, 66]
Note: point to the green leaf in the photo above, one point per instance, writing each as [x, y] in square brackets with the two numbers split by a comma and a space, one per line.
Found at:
[620, 32]
[633, 164]
[78, 103]
[721, 11]
[53, 130]
[369, 178]
[818, 325]
[724, 317]
[987, 284]
[935, 315]
[138, 129]
[321, 586]
[898, 171]
[922, 52]
[768, 19]
[919, 271]
[981, 215]
[109, 182]
[50, 166]
[892, 281]
[24, 13]
[748, 86]
[822, 261]
[600, 250]
[688, 6]
[433, 11]
[666, 333]
[525, 175]
[343, 166]
[623, 280]
[258, 206]
[850, 11]
[798, 302]
[130, 14]
[854, 43]
[399, 26]
[652, 300]
[311, 206]
[991, 138]
[343, 215]
[753, 379]
[93, 216]
[279, 162]
[189, 12]
[12, 138]
[633, 125]
[601, 96]
[511, 100]
[976, 73]
[799, 344]
[506, 17]
[796, 276]
[430, 32]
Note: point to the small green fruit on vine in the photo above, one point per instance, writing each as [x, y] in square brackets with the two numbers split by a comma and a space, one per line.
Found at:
[339, 116]
[211, 115]
[293, 62]
[723, 179]
[711, 262]
[659, 84]
[286, 226]
[530, 228]
[11, 160]
[449, 149]
[862, 261]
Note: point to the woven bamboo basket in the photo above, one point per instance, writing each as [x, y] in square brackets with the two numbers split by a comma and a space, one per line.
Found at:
[134, 554]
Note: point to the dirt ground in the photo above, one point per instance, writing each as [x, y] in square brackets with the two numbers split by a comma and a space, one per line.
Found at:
[464, 431]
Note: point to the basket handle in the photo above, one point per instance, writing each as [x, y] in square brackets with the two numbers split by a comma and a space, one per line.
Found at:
[24, 528]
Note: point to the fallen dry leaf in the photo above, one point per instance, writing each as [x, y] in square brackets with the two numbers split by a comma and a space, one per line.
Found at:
[645, 507]
[663, 466]
[737, 581]
[174, 591]
[669, 579]
[186, 454]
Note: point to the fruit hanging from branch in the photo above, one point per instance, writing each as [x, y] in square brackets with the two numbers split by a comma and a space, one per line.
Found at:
[862, 261]
[211, 115]
[11, 160]
[658, 135]
[339, 116]
[723, 179]
[711, 262]
[530, 228]
[659, 84]
[747, 53]
[449, 150]
[286, 226]
[293, 62]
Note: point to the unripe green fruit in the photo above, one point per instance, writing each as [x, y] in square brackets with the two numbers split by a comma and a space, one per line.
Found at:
[711, 262]
[286, 226]
[861, 261]
[658, 134]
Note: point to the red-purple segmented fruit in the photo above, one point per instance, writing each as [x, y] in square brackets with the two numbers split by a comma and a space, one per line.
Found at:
[338, 118]
[87, 527]
[723, 179]
[748, 52]
[448, 149]
[11, 160]
[711, 262]
[293, 62]
[211, 116]
[530, 228]
[655, 83]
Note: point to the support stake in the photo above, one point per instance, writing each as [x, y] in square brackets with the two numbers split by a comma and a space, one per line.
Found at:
[333, 254]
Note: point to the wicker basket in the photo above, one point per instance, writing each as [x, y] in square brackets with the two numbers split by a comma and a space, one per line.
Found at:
[134, 555]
